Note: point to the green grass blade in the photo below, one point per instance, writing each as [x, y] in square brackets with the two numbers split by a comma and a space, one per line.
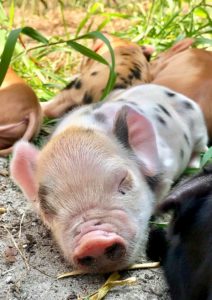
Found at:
[34, 34]
[167, 24]
[82, 24]
[87, 52]
[112, 75]
[8, 52]
[3, 17]
[10, 46]
[11, 13]
[206, 157]
[103, 23]
[94, 9]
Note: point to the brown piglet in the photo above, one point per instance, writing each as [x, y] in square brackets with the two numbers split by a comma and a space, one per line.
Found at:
[20, 112]
[187, 71]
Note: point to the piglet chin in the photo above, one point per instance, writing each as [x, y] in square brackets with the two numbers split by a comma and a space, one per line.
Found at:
[100, 251]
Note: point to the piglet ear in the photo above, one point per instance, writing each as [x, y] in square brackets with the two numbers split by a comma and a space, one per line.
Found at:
[147, 51]
[182, 45]
[136, 132]
[22, 168]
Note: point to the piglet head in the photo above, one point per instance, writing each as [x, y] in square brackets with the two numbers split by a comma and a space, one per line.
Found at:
[93, 190]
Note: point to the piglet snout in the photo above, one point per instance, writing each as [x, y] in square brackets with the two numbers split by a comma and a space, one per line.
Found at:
[98, 250]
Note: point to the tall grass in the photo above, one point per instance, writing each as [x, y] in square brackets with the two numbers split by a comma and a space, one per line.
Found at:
[158, 23]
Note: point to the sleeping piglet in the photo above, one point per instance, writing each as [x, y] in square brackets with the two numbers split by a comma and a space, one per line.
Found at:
[131, 67]
[20, 112]
[186, 251]
[96, 181]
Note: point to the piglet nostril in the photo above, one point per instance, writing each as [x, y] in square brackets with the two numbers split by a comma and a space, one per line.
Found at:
[97, 223]
[115, 251]
[86, 261]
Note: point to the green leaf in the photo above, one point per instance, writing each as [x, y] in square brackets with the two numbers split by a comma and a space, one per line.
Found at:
[206, 157]
[160, 224]
[203, 41]
[3, 17]
[87, 52]
[82, 24]
[34, 34]
[104, 23]
[96, 8]
[10, 46]
[12, 13]
[8, 52]
[112, 75]
[190, 171]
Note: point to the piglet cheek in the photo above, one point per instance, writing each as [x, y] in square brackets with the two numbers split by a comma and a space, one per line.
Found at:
[127, 225]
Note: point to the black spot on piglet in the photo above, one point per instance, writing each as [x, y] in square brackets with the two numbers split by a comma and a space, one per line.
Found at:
[87, 99]
[188, 105]
[164, 110]
[170, 94]
[78, 84]
[120, 86]
[161, 120]
[100, 117]
[70, 85]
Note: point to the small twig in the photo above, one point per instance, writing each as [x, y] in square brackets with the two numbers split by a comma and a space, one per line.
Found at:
[148, 265]
[18, 249]
[42, 272]
[73, 273]
[8, 271]
[20, 226]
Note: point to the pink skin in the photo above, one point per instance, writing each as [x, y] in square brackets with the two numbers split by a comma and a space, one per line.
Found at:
[100, 243]
[95, 244]
[85, 211]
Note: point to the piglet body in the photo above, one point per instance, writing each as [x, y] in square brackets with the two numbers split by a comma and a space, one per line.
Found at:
[187, 71]
[20, 112]
[187, 257]
[97, 179]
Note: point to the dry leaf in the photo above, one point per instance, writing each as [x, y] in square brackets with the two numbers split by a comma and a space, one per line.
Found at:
[10, 254]
[4, 172]
[109, 284]
[148, 265]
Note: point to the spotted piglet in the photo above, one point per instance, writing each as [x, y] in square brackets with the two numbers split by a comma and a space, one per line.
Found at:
[96, 181]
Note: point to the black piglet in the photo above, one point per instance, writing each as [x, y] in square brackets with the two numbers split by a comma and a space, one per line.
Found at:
[185, 251]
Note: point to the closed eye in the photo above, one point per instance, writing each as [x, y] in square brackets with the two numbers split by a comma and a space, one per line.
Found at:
[125, 184]
[121, 187]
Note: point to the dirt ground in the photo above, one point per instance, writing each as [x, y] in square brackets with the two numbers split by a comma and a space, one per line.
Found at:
[29, 258]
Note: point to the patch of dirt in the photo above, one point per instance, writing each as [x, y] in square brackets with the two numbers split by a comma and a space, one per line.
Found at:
[72, 17]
